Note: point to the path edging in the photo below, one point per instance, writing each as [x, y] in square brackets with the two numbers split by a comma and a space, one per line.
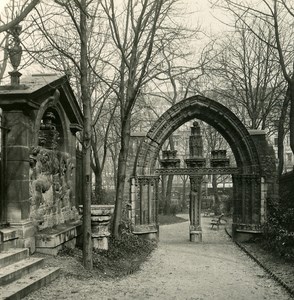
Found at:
[274, 276]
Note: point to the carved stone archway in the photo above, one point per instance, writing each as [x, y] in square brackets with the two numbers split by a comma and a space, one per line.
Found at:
[254, 158]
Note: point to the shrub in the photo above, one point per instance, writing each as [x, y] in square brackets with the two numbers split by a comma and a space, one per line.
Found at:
[279, 230]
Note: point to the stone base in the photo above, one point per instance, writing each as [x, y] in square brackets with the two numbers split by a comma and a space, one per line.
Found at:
[100, 243]
[54, 250]
[245, 236]
[148, 232]
[18, 235]
[245, 232]
[151, 236]
[196, 236]
[8, 238]
[50, 241]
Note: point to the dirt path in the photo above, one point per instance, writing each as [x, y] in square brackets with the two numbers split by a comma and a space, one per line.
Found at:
[178, 269]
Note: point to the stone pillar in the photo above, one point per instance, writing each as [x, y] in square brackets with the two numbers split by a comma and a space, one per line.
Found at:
[144, 191]
[195, 209]
[247, 206]
[100, 220]
[148, 199]
[17, 175]
[195, 160]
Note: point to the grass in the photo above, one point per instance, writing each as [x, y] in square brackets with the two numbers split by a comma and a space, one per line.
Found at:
[169, 219]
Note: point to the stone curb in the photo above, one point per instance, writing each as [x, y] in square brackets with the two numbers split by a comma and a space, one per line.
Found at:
[274, 276]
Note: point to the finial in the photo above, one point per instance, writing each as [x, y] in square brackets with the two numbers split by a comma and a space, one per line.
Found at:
[15, 52]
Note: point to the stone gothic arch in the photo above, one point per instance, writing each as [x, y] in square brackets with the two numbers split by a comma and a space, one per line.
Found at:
[254, 158]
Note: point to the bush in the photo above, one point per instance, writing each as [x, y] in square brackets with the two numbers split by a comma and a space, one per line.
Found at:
[127, 244]
[279, 230]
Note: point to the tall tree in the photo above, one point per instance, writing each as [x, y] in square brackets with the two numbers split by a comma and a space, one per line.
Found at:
[278, 17]
[248, 77]
[73, 47]
[138, 32]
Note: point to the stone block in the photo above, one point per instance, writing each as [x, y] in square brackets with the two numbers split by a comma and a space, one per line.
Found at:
[30, 243]
[18, 211]
[8, 245]
[13, 212]
[7, 234]
[17, 190]
[100, 243]
[196, 237]
[54, 250]
[56, 236]
[17, 153]
[25, 229]
[17, 170]
[20, 127]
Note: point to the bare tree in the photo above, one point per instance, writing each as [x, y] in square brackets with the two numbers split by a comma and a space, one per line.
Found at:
[248, 77]
[214, 141]
[20, 15]
[278, 17]
[138, 33]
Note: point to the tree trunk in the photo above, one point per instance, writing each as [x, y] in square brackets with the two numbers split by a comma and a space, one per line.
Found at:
[216, 196]
[291, 87]
[121, 175]
[183, 205]
[281, 131]
[163, 193]
[87, 233]
[99, 195]
[168, 194]
[169, 186]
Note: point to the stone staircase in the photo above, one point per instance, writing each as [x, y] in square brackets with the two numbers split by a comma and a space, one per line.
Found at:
[21, 274]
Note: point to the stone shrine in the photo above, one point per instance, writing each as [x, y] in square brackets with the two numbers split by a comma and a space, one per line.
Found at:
[40, 119]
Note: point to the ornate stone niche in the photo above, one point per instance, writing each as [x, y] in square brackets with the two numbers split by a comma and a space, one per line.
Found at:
[42, 117]
[51, 175]
[48, 135]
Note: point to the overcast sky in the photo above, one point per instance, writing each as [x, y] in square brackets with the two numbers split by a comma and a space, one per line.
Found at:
[200, 11]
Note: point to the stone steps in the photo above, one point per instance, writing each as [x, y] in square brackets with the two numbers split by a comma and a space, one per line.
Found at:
[8, 239]
[21, 274]
[16, 270]
[13, 256]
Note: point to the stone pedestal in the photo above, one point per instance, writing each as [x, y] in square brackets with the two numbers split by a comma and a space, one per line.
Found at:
[195, 234]
[195, 209]
[100, 220]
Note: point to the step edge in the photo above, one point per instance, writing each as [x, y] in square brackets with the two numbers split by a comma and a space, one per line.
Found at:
[27, 288]
[32, 265]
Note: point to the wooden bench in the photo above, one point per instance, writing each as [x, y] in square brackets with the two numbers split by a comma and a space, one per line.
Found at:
[216, 221]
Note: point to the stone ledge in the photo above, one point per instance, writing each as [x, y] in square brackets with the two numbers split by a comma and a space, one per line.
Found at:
[54, 237]
[8, 234]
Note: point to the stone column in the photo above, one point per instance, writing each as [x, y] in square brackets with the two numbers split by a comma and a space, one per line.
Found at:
[100, 220]
[17, 149]
[18, 140]
[197, 160]
[195, 209]
[144, 190]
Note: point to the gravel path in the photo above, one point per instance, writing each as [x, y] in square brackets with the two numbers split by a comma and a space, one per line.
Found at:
[178, 269]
